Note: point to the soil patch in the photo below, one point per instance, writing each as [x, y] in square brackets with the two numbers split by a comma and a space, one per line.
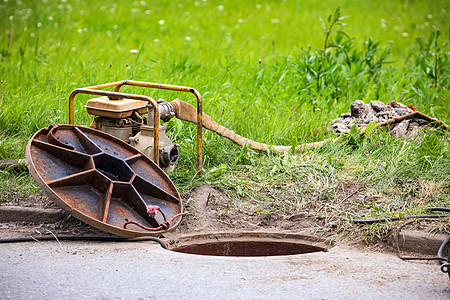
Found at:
[209, 211]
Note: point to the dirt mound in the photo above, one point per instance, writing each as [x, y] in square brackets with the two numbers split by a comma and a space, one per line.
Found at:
[210, 211]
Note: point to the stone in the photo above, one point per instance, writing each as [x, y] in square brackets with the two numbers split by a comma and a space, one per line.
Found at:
[395, 104]
[370, 110]
[378, 105]
[358, 109]
[413, 130]
[402, 111]
[369, 118]
[400, 130]
[339, 128]
[339, 120]
[422, 122]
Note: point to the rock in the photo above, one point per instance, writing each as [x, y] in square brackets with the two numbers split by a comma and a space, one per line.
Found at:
[395, 104]
[369, 118]
[422, 122]
[400, 130]
[358, 109]
[346, 115]
[341, 128]
[413, 129]
[387, 114]
[402, 111]
[378, 106]
[369, 109]
[339, 120]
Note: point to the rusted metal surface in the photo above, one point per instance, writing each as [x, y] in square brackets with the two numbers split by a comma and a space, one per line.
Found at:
[117, 95]
[249, 244]
[100, 179]
[248, 248]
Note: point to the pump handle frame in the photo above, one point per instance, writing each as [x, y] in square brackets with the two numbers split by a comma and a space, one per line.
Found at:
[94, 90]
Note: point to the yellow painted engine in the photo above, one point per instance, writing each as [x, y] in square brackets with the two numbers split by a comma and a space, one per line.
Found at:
[127, 119]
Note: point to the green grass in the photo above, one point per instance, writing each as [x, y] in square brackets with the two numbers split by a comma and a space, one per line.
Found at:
[282, 89]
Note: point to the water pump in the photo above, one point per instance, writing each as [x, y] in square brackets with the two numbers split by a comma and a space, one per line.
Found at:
[129, 121]
[135, 119]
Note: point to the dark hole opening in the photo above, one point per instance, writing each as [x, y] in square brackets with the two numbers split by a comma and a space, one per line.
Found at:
[113, 168]
[248, 248]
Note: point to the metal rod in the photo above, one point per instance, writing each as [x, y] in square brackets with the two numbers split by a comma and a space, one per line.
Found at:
[120, 95]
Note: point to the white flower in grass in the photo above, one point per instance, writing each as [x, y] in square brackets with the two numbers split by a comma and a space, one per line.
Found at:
[258, 6]
[147, 12]
[50, 18]
[143, 3]
[396, 28]
[11, 18]
[80, 30]
[275, 21]
[39, 24]
[134, 51]
[161, 22]
[187, 38]
[32, 35]
[426, 24]
[155, 41]
[115, 27]
[220, 7]
[74, 49]
[240, 21]
[405, 34]
[383, 25]
[196, 3]
[430, 16]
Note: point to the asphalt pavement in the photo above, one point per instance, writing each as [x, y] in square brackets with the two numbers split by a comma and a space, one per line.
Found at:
[144, 270]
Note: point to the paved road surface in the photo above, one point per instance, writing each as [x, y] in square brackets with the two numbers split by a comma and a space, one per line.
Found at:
[100, 270]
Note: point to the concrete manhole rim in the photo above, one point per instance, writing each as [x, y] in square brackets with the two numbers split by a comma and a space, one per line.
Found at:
[209, 238]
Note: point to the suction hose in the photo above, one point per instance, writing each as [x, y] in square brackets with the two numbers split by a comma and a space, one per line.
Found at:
[186, 112]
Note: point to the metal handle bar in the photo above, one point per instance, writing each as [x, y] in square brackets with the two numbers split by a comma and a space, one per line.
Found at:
[121, 95]
[93, 90]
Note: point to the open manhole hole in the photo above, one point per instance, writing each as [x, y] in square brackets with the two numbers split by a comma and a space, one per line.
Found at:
[249, 244]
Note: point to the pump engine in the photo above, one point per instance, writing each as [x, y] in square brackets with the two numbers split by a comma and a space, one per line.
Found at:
[130, 121]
